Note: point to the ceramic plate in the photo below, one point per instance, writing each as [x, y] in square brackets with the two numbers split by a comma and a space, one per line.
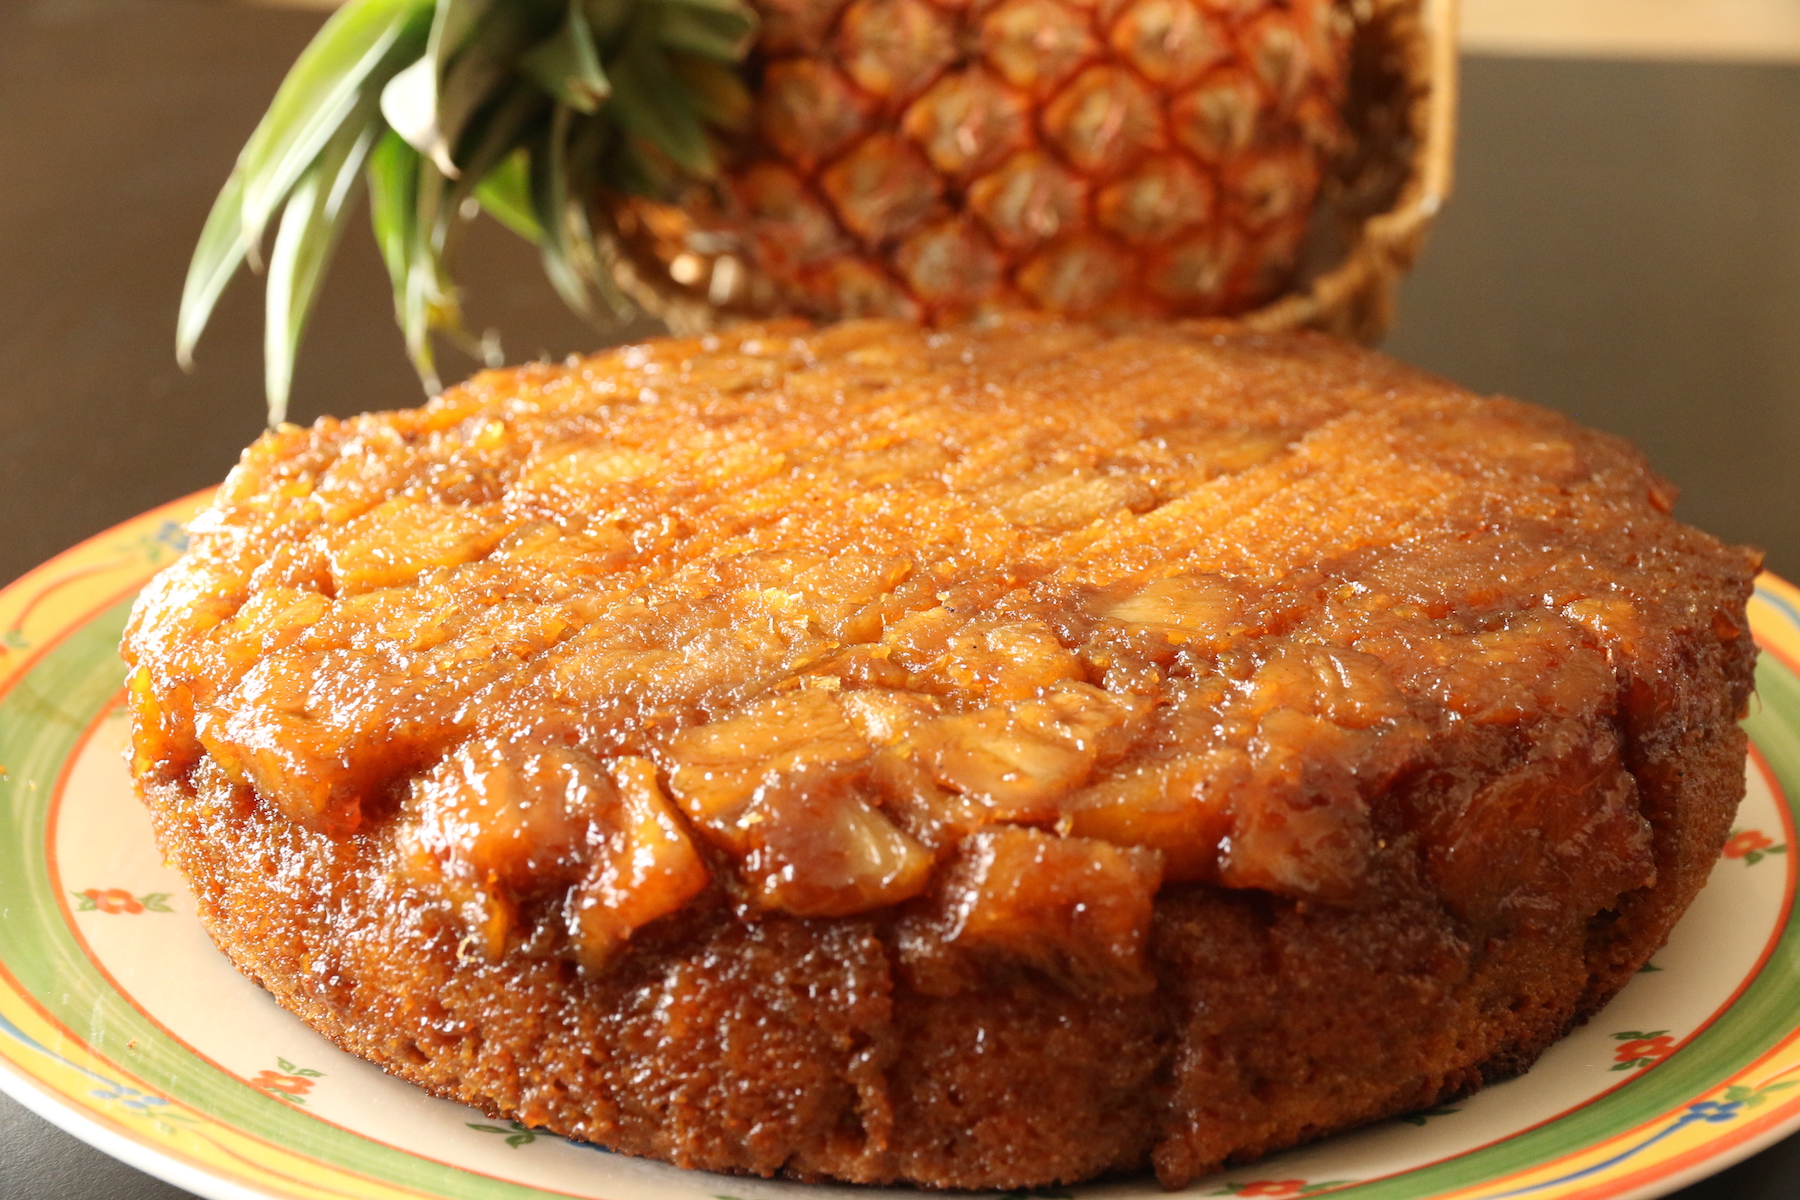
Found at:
[121, 1023]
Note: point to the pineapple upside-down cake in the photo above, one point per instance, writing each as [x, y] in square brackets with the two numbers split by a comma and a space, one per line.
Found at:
[983, 758]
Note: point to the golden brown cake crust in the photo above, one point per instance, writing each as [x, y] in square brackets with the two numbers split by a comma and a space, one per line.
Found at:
[986, 759]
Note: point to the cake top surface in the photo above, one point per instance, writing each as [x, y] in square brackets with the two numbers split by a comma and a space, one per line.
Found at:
[1009, 626]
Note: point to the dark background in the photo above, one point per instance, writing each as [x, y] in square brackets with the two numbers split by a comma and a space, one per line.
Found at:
[1624, 245]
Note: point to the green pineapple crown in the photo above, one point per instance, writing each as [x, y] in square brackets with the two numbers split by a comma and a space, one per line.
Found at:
[521, 108]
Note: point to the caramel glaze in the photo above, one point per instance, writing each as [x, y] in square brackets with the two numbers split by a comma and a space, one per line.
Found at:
[769, 751]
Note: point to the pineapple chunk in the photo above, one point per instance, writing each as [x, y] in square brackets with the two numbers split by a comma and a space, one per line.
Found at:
[816, 847]
[286, 757]
[184, 601]
[272, 620]
[1008, 660]
[162, 722]
[1618, 622]
[1016, 770]
[785, 787]
[1207, 450]
[1203, 605]
[1538, 664]
[1072, 500]
[844, 597]
[1085, 718]
[581, 468]
[646, 868]
[919, 640]
[262, 733]
[994, 659]
[395, 541]
[375, 460]
[543, 551]
[502, 813]
[929, 812]
[1180, 807]
[1345, 687]
[844, 593]
[1572, 818]
[1075, 909]
[926, 809]
[885, 717]
[891, 458]
[1302, 826]
[503, 821]
[1021, 759]
[718, 767]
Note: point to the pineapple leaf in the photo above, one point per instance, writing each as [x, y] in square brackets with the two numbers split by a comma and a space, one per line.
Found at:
[452, 25]
[584, 251]
[567, 65]
[736, 8]
[487, 61]
[502, 128]
[652, 107]
[557, 175]
[637, 168]
[393, 178]
[468, 60]
[584, 156]
[317, 211]
[608, 18]
[319, 94]
[721, 33]
[426, 298]
[527, 109]
[394, 208]
[216, 259]
[439, 199]
[409, 104]
[550, 204]
[505, 195]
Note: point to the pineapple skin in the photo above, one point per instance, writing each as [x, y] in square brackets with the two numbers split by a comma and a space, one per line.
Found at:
[937, 161]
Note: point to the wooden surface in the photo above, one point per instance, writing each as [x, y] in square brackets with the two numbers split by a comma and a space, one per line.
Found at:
[1624, 244]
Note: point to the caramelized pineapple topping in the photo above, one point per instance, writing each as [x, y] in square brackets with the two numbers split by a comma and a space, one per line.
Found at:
[986, 634]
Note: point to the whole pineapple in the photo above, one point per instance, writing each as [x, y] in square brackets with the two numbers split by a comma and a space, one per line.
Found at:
[924, 158]
[1094, 157]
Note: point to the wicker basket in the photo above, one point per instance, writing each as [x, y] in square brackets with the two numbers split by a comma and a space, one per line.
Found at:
[1380, 205]
[1373, 212]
